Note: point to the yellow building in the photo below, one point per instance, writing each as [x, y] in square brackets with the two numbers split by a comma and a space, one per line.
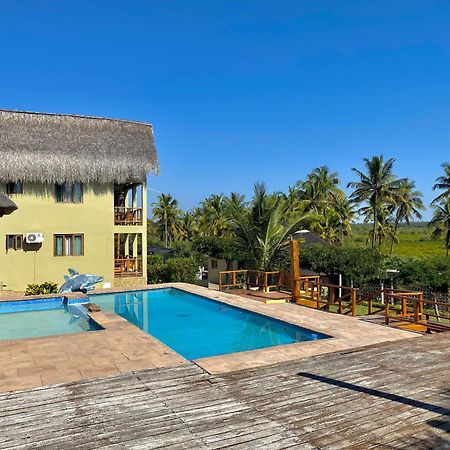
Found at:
[79, 184]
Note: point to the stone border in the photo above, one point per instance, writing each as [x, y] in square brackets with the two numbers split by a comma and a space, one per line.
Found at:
[345, 332]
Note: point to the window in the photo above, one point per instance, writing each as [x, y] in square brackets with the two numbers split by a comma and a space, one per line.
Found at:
[213, 263]
[68, 245]
[15, 187]
[69, 192]
[14, 242]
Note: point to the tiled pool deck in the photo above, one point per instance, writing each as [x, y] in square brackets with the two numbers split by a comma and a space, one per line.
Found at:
[122, 347]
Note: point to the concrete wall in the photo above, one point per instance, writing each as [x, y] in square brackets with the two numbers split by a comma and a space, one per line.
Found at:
[39, 212]
[213, 273]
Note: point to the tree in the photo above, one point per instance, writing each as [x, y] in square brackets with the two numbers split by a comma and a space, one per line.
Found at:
[443, 183]
[212, 216]
[160, 270]
[441, 223]
[166, 212]
[377, 187]
[385, 227]
[264, 228]
[408, 204]
[345, 209]
[217, 247]
[185, 227]
[357, 265]
[334, 221]
[320, 187]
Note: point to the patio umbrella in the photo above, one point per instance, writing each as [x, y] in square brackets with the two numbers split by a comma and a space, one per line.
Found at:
[7, 206]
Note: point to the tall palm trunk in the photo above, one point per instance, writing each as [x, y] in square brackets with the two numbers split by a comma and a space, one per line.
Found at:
[394, 236]
[166, 230]
[375, 224]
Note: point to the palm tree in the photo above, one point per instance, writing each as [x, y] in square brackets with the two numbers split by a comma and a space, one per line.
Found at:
[212, 216]
[408, 204]
[264, 228]
[443, 183]
[385, 226]
[165, 211]
[328, 226]
[185, 227]
[441, 222]
[320, 186]
[345, 211]
[235, 200]
[376, 187]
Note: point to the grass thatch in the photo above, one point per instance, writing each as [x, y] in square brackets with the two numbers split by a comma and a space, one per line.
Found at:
[53, 148]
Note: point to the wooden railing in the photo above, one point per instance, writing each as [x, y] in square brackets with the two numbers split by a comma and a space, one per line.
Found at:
[344, 299]
[263, 281]
[311, 291]
[412, 307]
[127, 216]
[286, 280]
[128, 267]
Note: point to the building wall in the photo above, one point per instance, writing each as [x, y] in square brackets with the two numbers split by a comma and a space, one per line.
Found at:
[213, 272]
[38, 211]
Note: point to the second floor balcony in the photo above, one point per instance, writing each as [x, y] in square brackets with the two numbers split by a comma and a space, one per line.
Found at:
[128, 267]
[127, 216]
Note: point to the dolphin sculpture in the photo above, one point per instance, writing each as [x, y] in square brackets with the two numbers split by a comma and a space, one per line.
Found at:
[78, 282]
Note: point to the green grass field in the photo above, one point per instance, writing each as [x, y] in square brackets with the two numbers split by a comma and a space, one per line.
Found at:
[414, 240]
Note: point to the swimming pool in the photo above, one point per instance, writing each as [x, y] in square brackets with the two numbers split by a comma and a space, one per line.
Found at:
[44, 317]
[197, 327]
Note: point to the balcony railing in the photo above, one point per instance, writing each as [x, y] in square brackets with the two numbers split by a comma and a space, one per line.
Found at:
[128, 267]
[127, 216]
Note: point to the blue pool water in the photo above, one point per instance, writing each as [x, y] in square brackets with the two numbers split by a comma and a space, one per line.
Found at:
[46, 317]
[197, 327]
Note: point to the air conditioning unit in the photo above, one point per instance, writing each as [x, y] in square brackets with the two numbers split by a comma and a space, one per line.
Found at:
[34, 238]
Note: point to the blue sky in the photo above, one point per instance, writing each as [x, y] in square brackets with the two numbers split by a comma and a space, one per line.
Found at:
[243, 91]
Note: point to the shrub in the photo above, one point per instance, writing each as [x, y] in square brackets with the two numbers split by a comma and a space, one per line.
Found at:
[160, 270]
[47, 287]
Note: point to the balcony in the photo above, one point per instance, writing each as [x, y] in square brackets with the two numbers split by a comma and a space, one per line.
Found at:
[128, 267]
[127, 216]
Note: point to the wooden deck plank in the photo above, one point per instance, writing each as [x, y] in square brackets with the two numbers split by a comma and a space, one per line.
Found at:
[389, 395]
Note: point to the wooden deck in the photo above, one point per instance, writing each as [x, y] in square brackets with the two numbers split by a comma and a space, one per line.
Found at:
[266, 297]
[394, 395]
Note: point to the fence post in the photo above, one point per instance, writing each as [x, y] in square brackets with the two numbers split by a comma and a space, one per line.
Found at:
[233, 279]
[416, 310]
[370, 305]
[295, 270]
[386, 312]
[318, 298]
[354, 302]
[448, 318]
[404, 306]
[220, 281]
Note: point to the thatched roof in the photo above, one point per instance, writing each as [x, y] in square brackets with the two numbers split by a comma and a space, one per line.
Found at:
[7, 206]
[54, 148]
[306, 238]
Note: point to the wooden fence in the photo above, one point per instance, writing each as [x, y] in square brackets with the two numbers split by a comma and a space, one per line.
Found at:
[311, 291]
[237, 279]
